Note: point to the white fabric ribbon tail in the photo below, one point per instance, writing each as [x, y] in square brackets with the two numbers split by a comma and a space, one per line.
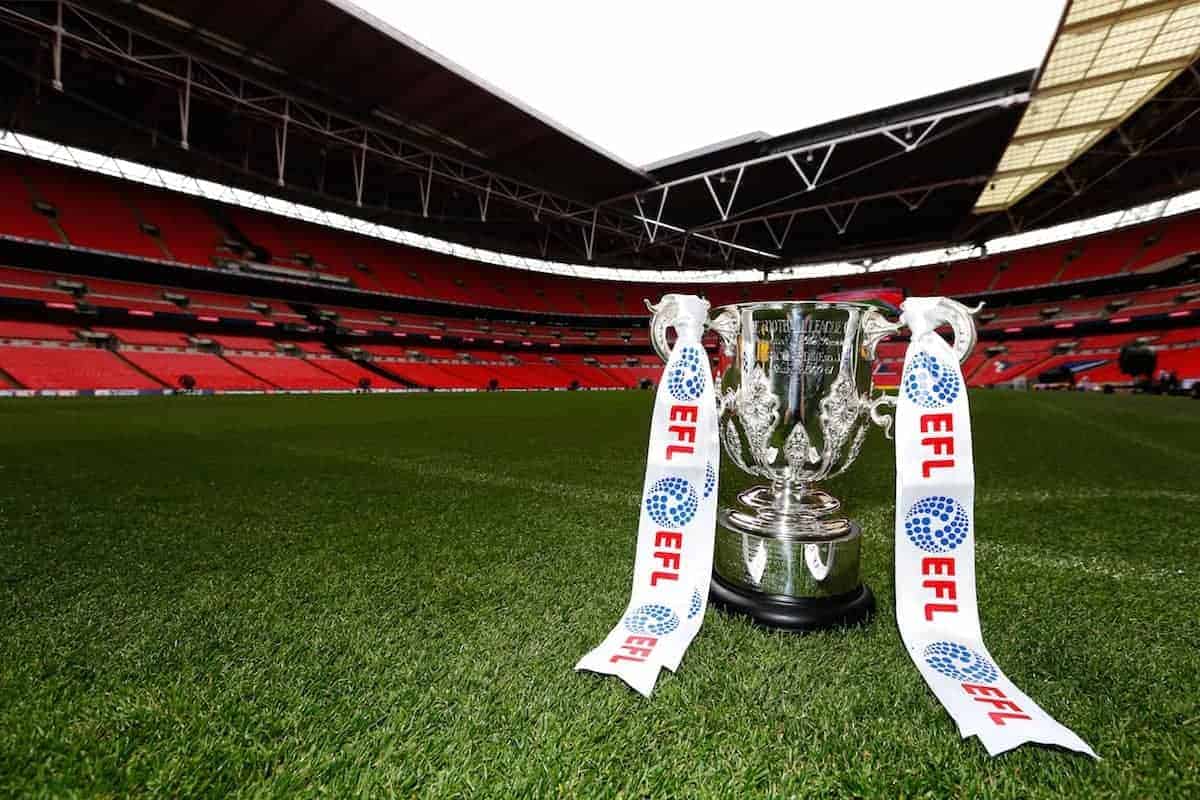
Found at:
[676, 526]
[936, 603]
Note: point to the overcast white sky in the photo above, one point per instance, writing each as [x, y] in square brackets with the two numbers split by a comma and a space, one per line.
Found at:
[651, 79]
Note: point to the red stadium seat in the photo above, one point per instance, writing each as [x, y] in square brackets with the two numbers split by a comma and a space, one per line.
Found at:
[210, 371]
[71, 368]
[290, 373]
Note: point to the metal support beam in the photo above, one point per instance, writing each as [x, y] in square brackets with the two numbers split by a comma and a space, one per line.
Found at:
[358, 161]
[913, 205]
[725, 249]
[940, 116]
[811, 183]
[926, 124]
[589, 236]
[57, 47]
[485, 199]
[86, 30]
[1076, 188]
[900, 193]
[841, 224]
[723, 208]
[908, 143]
[281, 142]
[1053, 167]
[652, 225]
[426, 189]
[779, 239]
[680, 251]
[1143, 148]
[185, 107]
[629, 221]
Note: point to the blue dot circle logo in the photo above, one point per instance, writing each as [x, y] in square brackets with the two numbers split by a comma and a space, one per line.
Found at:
[937, 524]
[695, 605]
[930, 383]
[710, 480]
[685, 379]
[960, 663]
[672, 502]
[652, 618]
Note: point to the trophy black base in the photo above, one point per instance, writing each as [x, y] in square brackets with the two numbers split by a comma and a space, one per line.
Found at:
[798, 615]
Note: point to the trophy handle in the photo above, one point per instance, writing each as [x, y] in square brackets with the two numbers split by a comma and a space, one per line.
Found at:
[937, 312]
[662, 316]
[669, 312]
[876, 328]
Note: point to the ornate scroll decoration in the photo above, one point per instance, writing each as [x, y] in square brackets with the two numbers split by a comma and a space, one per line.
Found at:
[839, 413]
[798, 450]
[758, 410]
[876, 406]
[860, 436]
[733, 448]
[727, 402]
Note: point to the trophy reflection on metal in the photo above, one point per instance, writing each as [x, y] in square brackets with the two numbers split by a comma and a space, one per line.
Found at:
[795, 402]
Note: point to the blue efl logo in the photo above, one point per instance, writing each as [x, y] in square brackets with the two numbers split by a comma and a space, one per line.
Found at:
[960, 663]
[710, 480]
[937, 524]
[929, 383]
[695, 604]
[672, 502]
[685, 380]
[652, 618]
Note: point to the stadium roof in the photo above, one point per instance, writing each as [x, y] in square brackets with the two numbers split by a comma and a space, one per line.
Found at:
[319, 103]
[1108, 58]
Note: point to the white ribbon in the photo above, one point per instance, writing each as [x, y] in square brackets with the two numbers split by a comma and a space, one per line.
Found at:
[936, 607]
[936, 604]
[678, 518]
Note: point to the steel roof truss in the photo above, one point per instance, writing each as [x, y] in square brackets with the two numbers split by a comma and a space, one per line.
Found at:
[811, 183]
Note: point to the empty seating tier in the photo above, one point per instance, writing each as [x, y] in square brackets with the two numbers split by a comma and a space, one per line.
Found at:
[105, 213]
[71, 368]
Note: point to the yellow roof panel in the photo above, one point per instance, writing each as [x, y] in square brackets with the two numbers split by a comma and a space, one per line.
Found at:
[1108, 58]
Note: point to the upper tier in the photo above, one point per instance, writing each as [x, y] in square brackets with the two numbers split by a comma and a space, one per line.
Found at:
[43, 201]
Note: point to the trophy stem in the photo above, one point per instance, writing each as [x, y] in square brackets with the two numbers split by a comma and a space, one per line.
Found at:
[793, 496]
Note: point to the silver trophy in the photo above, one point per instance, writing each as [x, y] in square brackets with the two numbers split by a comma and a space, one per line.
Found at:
[795, 399]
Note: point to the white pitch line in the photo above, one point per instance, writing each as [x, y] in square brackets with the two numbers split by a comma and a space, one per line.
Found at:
[1006, 496]
[1122, 433]
[1104, 566]
[429, 466]
[1024, 554]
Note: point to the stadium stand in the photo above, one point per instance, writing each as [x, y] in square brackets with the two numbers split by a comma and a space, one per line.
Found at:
[289, 373]
[71, 368]
[353, 374]
[139, 336]
[90, 210]
[443, 351]
[210, 371]
[106, 214]
[12, 330]
[17, 206]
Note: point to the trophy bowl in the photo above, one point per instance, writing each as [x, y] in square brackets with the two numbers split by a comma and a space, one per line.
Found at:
[795, 401]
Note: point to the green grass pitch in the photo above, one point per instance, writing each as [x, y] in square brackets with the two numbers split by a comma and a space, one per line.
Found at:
[385, 596]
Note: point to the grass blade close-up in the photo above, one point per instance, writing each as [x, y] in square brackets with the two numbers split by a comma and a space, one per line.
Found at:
[385, 596]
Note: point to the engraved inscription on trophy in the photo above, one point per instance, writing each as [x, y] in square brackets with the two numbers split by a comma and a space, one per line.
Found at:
[814, 349]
